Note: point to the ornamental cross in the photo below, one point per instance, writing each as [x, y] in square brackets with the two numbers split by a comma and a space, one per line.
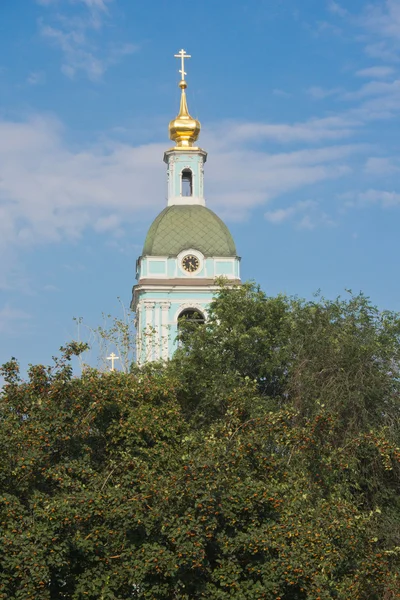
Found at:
[182, 55]
[113, 357]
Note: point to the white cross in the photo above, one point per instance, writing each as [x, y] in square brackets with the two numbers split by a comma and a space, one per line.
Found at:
[182, 55]
[113, 357]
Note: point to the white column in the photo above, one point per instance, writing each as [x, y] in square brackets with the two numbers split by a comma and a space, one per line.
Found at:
[157, 333]
[164, 330]
[138, 326]
[148, 333]
[201, 180]
[171, 178]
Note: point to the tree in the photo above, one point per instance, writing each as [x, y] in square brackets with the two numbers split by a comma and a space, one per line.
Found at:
[239, 470]
[339, 358]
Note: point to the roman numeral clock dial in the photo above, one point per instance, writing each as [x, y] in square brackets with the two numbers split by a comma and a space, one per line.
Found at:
[190, 263]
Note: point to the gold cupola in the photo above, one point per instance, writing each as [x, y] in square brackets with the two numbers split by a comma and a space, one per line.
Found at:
[184, 130]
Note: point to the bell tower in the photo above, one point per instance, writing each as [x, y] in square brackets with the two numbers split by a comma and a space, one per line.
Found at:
[186, 248]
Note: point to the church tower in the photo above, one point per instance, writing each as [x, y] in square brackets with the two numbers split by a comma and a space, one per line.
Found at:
[186, 248]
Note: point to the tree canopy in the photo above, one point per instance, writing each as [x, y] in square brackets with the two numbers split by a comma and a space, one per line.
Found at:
[262, 462]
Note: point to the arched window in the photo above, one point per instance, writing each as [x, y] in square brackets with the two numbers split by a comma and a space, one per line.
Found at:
[187, 182]
[191, 314]
[188, 320]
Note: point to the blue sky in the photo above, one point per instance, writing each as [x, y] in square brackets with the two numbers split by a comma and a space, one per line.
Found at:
[299, 103]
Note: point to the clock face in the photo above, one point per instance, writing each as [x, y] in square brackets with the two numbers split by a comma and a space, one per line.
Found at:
[190, 263]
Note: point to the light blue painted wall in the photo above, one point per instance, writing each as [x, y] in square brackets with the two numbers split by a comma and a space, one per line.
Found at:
[157, 267]
[169, 266]
[224, 268]
[185, 160]
[209, 267]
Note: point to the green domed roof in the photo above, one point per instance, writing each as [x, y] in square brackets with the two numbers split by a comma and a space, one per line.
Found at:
[178, 228]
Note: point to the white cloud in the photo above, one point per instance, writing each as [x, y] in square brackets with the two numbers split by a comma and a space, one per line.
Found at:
[239, 179]
[95, 4]
[49, 287]
[283, 214]
[382, 165]
[99, 5]
[109, 223]
[375, 88]
[380, 100]
[323, 27]
[36, 78]
[49, 192]
[382, 51]
[311, 131]
[281, 93]
[306, 214]
[376, 72]
[386, 199]
[383, 20]
[12, 320]
[319, 93]
[76, 38]
[336, 9]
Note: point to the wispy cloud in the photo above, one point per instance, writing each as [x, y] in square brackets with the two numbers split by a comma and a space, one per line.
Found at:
[281, 93]
[383, 20]
[306, 214]
[36, 78]
[268, 175]
[375, 88]
[384, 198]
[96, 4]
[319, 93]
[375, 101]
[12, 320]
[312, 131]
[382, 165]
[376, 72]
[93, 5]
[321, 28]
[280, 215]
[382, 51]
[79, 39]
[49, 192]
[380, 20]
[337, 9]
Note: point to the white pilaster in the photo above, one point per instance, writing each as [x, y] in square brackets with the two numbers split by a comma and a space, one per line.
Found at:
[157, 332]
[164, 329]
[138, 327]
[148, 342]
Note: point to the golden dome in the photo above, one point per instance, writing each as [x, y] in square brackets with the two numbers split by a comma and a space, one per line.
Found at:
[184, 130]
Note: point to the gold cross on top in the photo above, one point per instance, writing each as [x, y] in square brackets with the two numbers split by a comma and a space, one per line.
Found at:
[182, 55]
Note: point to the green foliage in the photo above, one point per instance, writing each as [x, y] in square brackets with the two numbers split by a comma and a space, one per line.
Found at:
[262, 462]
[243, 341]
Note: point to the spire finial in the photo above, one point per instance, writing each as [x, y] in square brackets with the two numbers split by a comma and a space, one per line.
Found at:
[184, 130]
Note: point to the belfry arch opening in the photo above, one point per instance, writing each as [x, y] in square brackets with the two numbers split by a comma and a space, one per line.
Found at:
[187, 320]
[187, 183]
[193, 315]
